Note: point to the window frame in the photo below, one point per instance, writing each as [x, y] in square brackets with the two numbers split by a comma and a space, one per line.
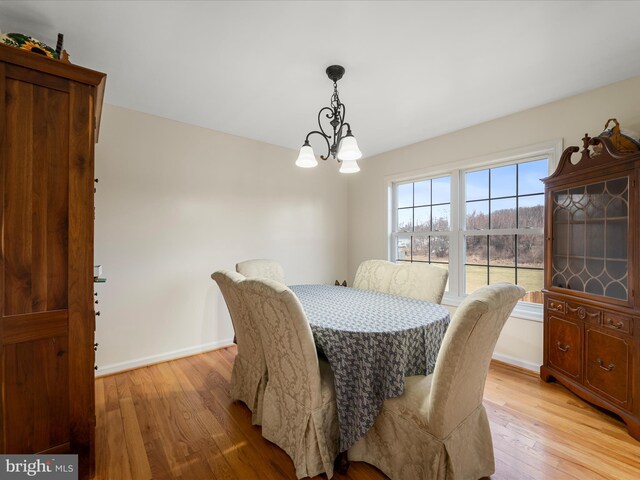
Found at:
[550, 150]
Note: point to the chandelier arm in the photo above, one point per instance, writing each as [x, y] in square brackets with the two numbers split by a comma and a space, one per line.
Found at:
[328, 115]
[326, 139]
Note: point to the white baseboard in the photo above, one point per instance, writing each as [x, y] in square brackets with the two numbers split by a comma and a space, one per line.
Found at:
[207, 347]
[162, 357]
[534, 367]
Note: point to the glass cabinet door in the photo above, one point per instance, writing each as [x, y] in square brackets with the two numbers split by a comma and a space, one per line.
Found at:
[590, 225]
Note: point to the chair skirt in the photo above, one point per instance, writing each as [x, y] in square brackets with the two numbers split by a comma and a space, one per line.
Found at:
[248, 384]
[404, 450]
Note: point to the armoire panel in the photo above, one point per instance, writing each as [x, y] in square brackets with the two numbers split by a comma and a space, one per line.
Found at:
[37, 396]
[36, 199]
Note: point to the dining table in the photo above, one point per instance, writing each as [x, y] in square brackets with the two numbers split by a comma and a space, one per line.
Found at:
[372, 341]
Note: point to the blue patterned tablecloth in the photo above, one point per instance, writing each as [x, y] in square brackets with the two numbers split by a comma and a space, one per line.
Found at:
[372, 341]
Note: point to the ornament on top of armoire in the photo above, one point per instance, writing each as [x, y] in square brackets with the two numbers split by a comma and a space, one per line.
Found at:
[624, 141]
[63, 56]
[25, 42]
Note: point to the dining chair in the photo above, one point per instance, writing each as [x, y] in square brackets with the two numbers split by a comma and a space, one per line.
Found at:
[300, 413]
[415, 280]
[261, 268]
[438, 428]
[249, 374]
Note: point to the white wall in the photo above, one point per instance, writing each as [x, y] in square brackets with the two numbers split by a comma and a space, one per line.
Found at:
[175, 203]
[569, 119]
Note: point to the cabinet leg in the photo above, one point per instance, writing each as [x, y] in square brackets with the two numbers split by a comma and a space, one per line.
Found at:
[545, 375]
[633, 426]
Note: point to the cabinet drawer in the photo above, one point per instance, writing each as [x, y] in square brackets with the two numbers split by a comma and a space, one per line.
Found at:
[607, 365]
[555, 305]
[565, 346]
[582, 312]
[619, 323]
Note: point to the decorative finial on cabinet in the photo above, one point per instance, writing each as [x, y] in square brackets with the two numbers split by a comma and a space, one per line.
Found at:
[585, 145]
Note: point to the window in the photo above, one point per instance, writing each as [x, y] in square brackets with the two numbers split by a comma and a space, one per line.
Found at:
[503, 235]
[483, 221]
[423, 221]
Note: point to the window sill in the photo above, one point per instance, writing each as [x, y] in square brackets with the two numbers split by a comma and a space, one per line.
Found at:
[523, 310]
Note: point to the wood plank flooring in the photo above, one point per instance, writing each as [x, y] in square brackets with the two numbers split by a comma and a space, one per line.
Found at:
[175, 420]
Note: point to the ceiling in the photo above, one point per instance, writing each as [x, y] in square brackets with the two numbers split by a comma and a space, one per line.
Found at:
[414, 70]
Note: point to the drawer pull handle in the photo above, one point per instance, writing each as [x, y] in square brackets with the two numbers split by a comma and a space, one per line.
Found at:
[580, 311]
[556, 306]
[618, 325]
[608, 368]
[563, 349]
[583, 313]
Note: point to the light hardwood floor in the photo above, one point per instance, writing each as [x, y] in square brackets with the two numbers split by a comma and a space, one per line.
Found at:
[176, 420]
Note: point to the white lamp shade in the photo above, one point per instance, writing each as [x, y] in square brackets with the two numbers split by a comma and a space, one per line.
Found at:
[306, 158]
[349, 166]
[349, 149]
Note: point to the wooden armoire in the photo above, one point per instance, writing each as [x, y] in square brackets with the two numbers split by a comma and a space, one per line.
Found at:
[592, 249]
[49, 114]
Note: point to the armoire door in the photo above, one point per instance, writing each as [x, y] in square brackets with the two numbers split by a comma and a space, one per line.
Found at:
[46, 218]
[34, 268]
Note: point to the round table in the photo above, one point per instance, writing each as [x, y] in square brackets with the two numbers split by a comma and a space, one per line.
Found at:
[372, 340]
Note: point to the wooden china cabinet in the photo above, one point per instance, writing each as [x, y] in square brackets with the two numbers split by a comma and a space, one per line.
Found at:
[49, 111]
[591, 310]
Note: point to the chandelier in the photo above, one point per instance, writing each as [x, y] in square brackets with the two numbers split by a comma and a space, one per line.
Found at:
[341, 147]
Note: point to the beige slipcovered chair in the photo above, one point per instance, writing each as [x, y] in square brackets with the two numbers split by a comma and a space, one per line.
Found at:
[261, 268]
[300, 413]
[415, 280]
[438, 428]
[249, 374]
